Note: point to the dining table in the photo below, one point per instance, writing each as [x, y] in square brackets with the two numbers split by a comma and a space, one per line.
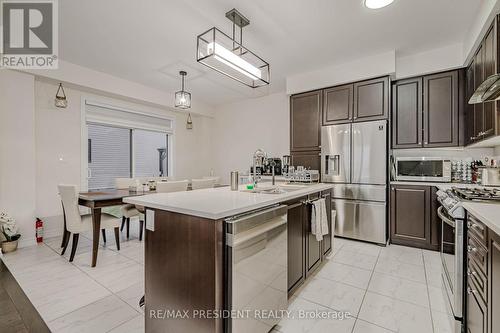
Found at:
[96, 200]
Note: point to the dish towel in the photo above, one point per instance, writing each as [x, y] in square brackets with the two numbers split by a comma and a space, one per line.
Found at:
[319, 219]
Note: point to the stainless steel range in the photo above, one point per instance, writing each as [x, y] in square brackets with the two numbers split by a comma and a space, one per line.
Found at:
[478, 193]
[453, 241]
[452, 215]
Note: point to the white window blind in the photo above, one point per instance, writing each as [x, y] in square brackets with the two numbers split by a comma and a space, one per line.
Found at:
[99, 113]
[108, 155]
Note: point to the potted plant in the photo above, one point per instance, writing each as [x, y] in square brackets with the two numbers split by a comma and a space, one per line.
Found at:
[9, 230]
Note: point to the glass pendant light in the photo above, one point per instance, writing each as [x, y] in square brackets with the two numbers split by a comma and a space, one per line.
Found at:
[61, 101]
[182, 98]
[228, 56]
[189, 122]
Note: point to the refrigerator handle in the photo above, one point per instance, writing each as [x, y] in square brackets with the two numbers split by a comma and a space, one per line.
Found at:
[332, 165]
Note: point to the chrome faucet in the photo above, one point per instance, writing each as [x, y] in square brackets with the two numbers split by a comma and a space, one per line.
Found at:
[272, 163]
[258, 156]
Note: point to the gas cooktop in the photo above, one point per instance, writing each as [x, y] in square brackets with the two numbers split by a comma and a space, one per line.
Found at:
[478, 193]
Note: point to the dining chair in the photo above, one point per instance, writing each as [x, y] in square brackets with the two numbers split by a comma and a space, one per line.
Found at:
[175, 186]
[76, 223]
[129, 210]
[198, 184]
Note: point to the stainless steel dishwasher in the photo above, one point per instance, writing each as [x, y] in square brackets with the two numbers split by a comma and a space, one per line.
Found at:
[256, 274]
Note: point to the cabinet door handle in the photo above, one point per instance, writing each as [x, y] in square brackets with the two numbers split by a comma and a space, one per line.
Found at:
[471, 291]
[471, 249]
[473, 225]
[420, 142]
[471, 273]
[425, 143]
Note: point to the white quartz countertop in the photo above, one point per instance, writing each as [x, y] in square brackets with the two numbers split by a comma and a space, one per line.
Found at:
[217, 203]
[487, 213]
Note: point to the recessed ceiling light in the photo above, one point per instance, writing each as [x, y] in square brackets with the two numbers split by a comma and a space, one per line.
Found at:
[376, 4]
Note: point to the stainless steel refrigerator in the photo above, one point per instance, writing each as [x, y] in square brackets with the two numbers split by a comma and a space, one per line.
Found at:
[354, 157]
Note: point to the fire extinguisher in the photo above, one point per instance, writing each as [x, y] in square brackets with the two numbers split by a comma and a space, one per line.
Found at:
[39, 230]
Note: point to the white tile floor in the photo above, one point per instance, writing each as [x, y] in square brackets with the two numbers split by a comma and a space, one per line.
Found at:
[392, 289]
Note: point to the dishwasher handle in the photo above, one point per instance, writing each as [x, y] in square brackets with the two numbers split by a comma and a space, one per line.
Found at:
[235, 240]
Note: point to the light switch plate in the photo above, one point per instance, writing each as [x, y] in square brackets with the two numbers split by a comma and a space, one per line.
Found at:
[150, 220]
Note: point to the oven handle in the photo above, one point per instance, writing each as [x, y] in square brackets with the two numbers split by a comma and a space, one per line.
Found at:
[444, 218]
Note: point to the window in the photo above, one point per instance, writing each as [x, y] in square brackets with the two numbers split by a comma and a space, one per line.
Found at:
[116, 152]
[108, 155]
[150, 154]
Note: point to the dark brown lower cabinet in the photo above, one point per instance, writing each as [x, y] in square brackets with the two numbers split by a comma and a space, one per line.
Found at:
[476, 312]
[414, 220]
[410, 215]
[296, 243]
[327, 240]
[494, 283]
[305, 253]
[483, 282]
[314, 251]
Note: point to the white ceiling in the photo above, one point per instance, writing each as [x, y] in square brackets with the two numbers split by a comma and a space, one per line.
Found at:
[149, 41]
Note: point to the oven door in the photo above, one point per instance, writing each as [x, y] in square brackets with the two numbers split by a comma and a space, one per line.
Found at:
[452, 259]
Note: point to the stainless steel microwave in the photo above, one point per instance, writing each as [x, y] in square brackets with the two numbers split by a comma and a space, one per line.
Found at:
[424, 169]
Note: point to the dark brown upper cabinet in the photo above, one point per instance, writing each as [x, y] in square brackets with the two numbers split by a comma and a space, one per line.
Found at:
[371, 99]
[469, 108]
[305, 123]
[426, 111]
[441, 110]
[407, 114]
[489, 68]
[483, 119]
[338, 106]
[478, 79]
[307, 159]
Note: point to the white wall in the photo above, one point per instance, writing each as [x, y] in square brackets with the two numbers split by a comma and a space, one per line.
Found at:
[97, 82]
[356, 70]
[17, 151]
[447, 57]
[58, 145]
[40, 147]
[241, 128]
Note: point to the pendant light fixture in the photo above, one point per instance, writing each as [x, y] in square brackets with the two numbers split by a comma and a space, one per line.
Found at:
[182, 98]
[228, 56]
[189, 122]
[61, 101]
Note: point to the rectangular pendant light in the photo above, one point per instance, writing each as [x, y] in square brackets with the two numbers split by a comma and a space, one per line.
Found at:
[222, 53]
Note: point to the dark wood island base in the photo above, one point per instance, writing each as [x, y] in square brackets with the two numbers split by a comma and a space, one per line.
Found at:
[183, 274]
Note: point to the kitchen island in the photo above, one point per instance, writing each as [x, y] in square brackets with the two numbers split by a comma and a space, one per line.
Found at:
[188, 279]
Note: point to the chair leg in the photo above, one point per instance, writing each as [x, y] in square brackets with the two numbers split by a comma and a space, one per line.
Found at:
[66, 237]
[73, 247]
[104, 235]
[123, 223]
[128, 227]
[117, 238]
[141, 228]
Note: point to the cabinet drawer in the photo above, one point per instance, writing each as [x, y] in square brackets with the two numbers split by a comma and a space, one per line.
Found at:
[477, 253]
[477, 229]
[479, 278]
